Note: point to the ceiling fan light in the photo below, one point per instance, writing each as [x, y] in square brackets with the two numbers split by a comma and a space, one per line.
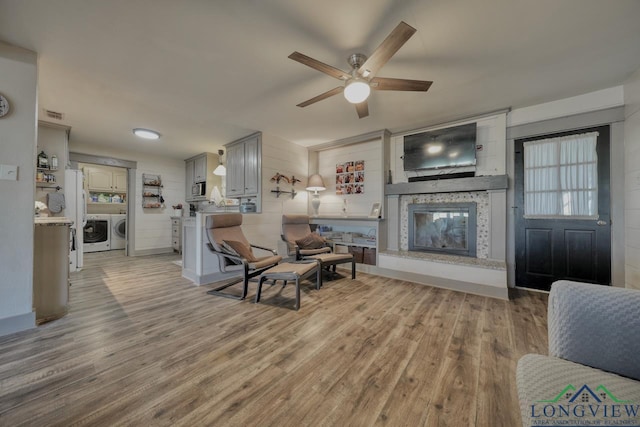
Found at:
[357, 91]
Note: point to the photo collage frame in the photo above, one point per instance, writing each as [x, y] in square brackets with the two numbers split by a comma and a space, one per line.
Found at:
[350, 178]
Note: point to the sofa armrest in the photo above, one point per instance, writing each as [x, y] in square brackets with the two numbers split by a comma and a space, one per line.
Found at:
[595, 325]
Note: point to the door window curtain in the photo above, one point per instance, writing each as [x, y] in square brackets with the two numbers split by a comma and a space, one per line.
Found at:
[561, 177]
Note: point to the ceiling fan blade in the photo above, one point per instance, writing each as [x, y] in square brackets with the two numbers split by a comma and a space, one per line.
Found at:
[362, 109]
[387, 49]
[327, 94]
[385, 83]
[320, 66]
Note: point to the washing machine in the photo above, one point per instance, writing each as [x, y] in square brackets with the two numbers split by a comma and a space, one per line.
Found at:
[118, 231]
[97, 233]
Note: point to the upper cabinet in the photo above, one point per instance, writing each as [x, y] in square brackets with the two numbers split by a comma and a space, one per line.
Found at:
[106, 179]
[244, 167]
[199, 169]
[200, 164]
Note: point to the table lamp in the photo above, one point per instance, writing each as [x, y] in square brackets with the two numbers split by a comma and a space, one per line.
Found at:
[315, 184]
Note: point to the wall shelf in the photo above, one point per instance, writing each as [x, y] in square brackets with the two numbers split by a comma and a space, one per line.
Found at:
[478, 183]
[152, 191]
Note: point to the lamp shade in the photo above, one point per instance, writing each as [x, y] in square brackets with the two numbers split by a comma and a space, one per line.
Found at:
[220, 170]
[315, 183]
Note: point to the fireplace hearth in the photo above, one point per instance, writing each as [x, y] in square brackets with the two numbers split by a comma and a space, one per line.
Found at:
[448, 228]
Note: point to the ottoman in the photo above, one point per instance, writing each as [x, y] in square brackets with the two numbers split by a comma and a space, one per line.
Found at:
[328, 260]
[292, 271]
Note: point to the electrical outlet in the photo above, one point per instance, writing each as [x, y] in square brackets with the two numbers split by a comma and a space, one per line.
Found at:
[9, 172]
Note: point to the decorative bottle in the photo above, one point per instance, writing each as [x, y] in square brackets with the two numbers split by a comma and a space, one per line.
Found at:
[43, 160]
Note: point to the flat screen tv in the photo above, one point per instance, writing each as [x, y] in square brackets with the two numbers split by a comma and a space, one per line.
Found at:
[442, 148]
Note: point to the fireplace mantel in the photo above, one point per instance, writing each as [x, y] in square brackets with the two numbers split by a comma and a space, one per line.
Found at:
[478, 183]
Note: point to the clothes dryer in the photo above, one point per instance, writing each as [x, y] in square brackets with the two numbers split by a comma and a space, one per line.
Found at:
[118, 231]
[97, 233]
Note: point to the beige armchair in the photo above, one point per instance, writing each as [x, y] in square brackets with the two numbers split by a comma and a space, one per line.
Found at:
[228, 242]
[295, 228]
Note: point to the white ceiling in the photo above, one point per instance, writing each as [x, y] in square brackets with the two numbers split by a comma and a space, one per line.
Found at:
[206, 72]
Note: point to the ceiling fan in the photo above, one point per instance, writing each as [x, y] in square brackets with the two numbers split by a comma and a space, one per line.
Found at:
[361, 79]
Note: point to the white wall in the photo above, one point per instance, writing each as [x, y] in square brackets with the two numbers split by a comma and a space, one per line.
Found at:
[357, 204]
[288, 159]
[18, 83]
[632, 181]
[490, 160]
[152, 226]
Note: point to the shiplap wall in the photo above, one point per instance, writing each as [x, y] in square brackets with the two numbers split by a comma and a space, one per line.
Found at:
[153, 226]
[490, 160]
[357, 204]
[632, 181]
[288, 159]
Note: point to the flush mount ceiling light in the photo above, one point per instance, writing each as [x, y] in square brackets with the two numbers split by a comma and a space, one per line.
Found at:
[146, 133]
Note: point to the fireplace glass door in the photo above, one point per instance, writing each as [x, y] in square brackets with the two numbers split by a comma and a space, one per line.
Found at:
[445, 228]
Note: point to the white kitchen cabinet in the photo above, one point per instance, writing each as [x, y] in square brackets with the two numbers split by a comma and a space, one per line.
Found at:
[119, 181]
[235, 170]
[176, 234]
[200, 169]
[244, 167]
[106, 179]
[99, 179]
[251, 166]
[189, 164]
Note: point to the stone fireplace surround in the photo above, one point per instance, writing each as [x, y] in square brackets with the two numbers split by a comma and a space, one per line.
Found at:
[481, 198]
[483, 275]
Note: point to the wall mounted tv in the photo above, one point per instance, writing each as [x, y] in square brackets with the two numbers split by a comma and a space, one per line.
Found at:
[442, 148]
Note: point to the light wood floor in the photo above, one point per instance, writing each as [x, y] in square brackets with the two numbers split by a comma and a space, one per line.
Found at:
[142, 346]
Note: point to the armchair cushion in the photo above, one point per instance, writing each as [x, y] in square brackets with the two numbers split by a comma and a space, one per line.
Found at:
[595, 325]
[311, 241]
[594, 343]
[239, 249]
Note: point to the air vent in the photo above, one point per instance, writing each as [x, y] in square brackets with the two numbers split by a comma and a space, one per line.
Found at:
[53, 114]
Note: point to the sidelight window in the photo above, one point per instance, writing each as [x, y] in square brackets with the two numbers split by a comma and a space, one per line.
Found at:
[561, 177]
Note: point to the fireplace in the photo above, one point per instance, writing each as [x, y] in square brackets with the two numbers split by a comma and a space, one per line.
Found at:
[448, 228]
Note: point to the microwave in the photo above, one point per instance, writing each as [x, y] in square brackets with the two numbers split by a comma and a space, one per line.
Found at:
[199, 189]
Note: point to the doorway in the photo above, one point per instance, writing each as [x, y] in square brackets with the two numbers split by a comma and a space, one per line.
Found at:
[113, 196]
[573, 242]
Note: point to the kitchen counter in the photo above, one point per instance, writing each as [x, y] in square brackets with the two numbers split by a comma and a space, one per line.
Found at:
[52, 220]
[199, 264]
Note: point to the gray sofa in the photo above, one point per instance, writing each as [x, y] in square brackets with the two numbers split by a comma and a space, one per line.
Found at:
[592, 373]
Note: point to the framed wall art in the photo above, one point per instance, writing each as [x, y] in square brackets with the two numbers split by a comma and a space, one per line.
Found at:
[350, 178]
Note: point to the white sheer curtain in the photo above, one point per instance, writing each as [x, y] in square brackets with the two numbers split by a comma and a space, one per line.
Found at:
[561, 177]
